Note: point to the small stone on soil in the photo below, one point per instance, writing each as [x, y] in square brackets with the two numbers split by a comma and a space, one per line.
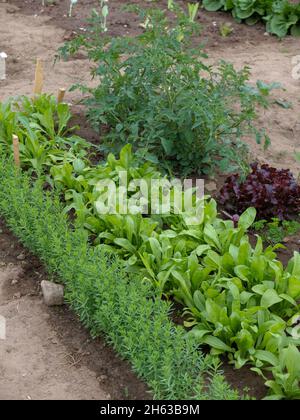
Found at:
[11, 10]
[102, 378]
[21, 257]
[53, 293]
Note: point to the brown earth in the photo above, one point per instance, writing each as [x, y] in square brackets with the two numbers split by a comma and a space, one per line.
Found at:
[47, 353]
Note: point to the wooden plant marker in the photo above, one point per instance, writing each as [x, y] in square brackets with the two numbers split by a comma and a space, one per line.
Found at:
[39, 77]
[61, 95]
[16, 147]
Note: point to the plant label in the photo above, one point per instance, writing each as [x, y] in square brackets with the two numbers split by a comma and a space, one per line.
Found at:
[3, 58]
[2, 328]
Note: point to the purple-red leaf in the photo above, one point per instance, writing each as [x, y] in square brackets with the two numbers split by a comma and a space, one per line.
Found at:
[273, 192]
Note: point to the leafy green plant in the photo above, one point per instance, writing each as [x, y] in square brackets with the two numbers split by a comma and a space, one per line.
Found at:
[106, 299]
[192, 11]
[285, 17]
[41, 125]
[225, 29]
[285, 370]
[282, 16]
[276, 230]
[237, 298]
[156, 94]
[45, 115]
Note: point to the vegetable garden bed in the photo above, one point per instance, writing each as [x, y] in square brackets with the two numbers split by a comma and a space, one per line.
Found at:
[28, 221]
[100, 292]
[239, 299]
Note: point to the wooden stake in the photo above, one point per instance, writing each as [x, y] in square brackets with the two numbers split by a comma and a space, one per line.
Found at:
[39, 77]
[61, 95]
[16, 150]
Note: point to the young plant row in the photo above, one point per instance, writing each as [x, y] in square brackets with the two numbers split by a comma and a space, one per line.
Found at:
[106, 298]
[237, 298]
[281, 16]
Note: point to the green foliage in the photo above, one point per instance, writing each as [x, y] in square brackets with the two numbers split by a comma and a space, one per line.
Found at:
[156, 93]
[225, 29]
[79, 183]
[286, 373]
[276, 231]
[107, 300]
[282, 16]
[42, 128]
[237, 298]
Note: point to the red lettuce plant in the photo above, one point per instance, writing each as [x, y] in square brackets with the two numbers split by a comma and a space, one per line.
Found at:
[273, 192]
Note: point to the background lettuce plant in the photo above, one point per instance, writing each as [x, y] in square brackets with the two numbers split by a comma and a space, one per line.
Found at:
[281, 16]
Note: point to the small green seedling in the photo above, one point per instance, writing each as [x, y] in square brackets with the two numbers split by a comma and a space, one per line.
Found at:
[225, 29]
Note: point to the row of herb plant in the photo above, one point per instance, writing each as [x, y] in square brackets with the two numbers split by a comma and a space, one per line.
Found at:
[239, 300]
[106, 298]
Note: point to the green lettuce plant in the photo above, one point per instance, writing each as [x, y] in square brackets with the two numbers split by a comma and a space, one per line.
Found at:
[281, 16]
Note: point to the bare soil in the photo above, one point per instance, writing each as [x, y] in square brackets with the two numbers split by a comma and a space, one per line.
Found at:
[47, 353]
